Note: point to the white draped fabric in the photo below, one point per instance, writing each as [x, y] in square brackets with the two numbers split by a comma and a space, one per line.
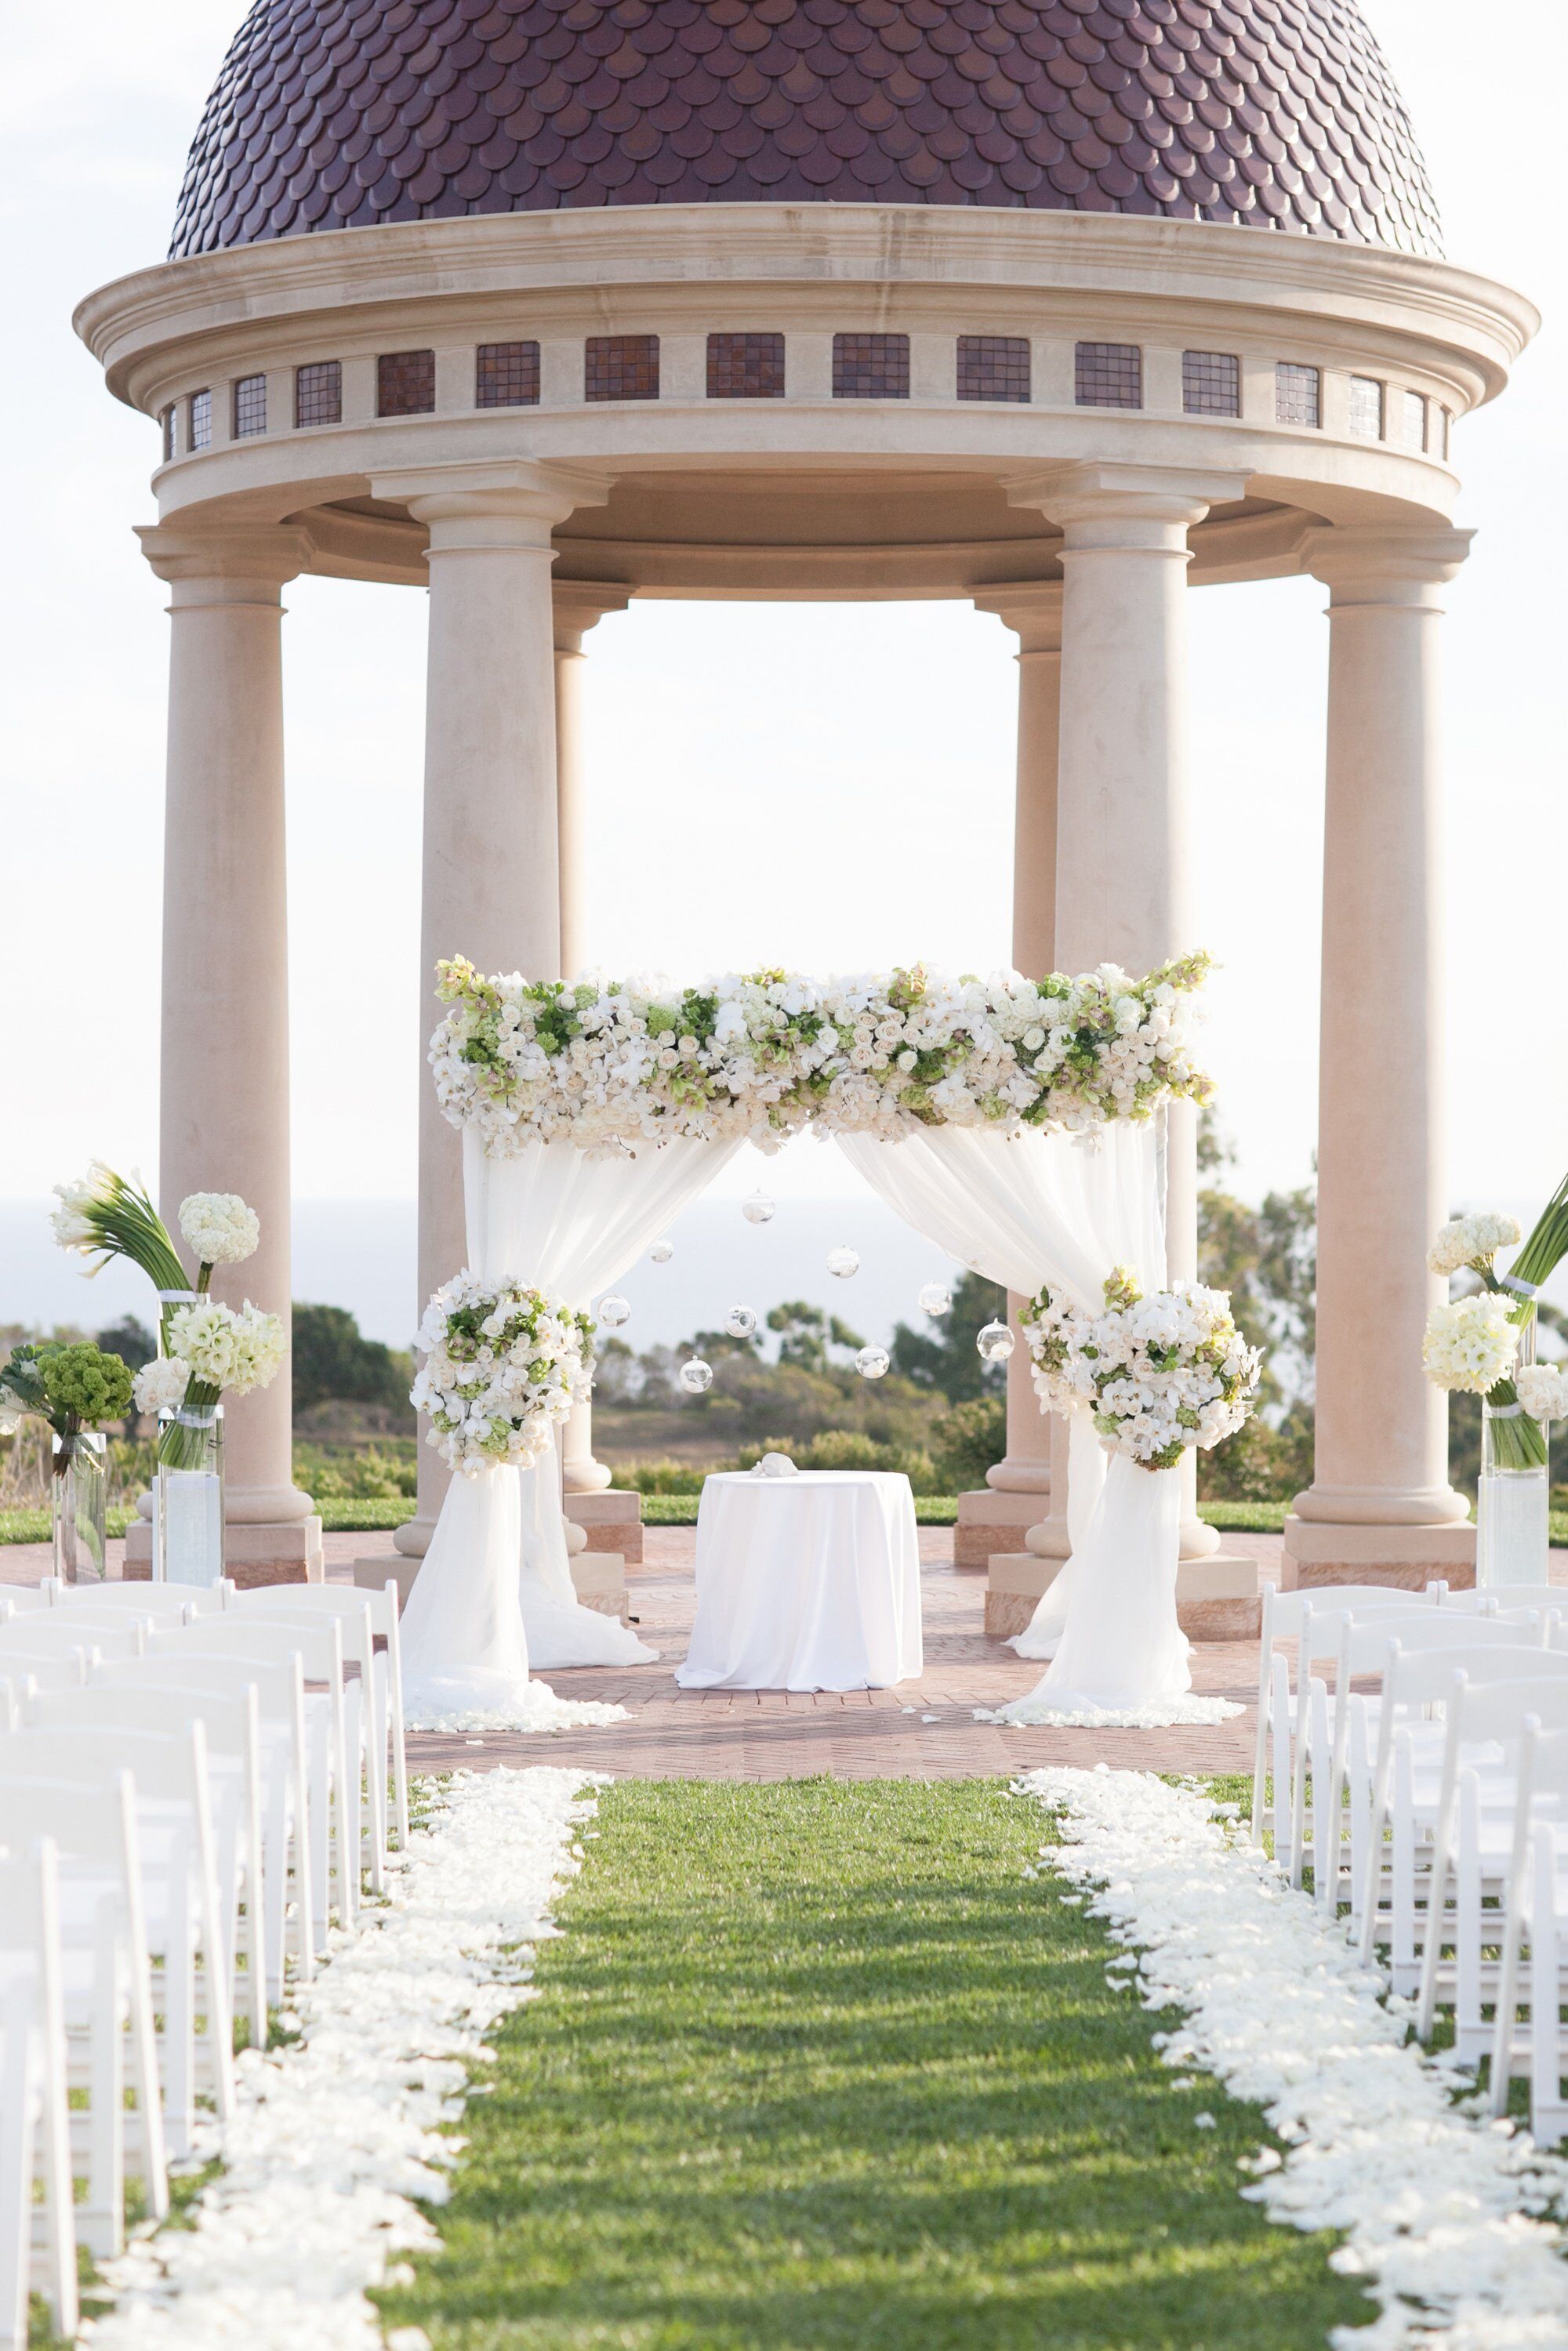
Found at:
[1060, 1211]
[494, 1592]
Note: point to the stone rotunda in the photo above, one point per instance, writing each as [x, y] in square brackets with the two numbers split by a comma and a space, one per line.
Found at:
[1063, 307]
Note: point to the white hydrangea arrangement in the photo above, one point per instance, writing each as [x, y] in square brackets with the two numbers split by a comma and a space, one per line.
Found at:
[1159, 1372]
[503, 1365]
[614, 1065]
[1471, 1342]
[1473, 1241]
[220, 1229]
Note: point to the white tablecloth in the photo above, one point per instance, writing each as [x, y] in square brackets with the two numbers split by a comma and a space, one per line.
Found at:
[807, 1582]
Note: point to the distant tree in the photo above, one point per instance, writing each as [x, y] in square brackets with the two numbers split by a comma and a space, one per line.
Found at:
[1266, 1258]
[130, 1340]
[966, 1442]
[808, 1334]
[334, 1362]
[945, 1357]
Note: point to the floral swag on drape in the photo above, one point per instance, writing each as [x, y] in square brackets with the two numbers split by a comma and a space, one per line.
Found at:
[1017, 1124]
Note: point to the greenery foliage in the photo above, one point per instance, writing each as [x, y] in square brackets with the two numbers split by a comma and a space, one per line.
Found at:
[333, 1360]
[944, 1357]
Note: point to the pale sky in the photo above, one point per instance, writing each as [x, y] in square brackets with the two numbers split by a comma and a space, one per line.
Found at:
[871, 819]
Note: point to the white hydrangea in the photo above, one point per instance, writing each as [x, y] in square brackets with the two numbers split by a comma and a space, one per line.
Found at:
[1471, 1240]
[220, 1227]
[504, 1365]
[1471, 1342]
[616, 1065]
[160, 1385]
[232, 1349]
[1542, 1390]
[1159, 1374]
[72, 1227]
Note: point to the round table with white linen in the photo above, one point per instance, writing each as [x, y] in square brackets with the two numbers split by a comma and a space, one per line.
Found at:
[809, 1582]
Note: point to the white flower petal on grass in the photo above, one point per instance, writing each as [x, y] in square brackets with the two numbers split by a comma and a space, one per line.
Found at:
[1438, 2209]
[336, 2135]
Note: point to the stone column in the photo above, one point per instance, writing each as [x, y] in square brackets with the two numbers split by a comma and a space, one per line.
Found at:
[608, 1521]
[492, 880]
[1380, 1506]
[1122, 854]
[223, 1080]
[993, 1519]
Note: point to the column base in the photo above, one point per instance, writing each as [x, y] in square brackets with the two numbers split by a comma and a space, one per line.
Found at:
[1320, 1551]
[612, 1522]
[286, 1551]
[988, 1515]
[598, 1578]
[1217, 1598]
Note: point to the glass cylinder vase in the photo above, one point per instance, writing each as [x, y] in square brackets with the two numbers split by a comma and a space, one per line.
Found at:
[78, 1502]
[1512, 1495]
[188, 1497]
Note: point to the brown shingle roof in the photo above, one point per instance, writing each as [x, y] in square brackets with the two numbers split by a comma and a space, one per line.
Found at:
[337, 113]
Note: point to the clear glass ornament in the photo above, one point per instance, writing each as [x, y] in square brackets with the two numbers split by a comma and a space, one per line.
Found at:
[661, 1253]
[872, 1362]
[843, 1261]
[759, 1209]
[740, 1322]
[696, 1376]
[936, 1298]
[613, 1310]
[995, 1343]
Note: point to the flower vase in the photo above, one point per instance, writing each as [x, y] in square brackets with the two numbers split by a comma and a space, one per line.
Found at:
[79, 1498]
[188, 1498]
[1512, 1497]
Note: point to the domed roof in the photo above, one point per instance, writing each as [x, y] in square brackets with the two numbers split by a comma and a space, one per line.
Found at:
[337, 113]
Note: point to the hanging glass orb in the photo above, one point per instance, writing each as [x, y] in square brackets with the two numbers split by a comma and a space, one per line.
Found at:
[661, 1253]
[613, 1310]
[740, 1322]
[995, 1343]
[936, 1298]
[843, 1261]
[696, 1376]
[872, 1362]
[757, 1209]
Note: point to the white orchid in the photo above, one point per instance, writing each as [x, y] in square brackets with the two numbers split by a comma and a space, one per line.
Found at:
[504, 1365]
[1159, 1374]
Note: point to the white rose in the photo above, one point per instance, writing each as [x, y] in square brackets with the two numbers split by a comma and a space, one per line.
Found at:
[1542, 1390]
[159, 1387]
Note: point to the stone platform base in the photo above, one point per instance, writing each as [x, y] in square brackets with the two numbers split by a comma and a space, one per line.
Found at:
[253, 1555]
[612, 1522]
[1408, 1558]
[598, 1578]
[1217, 1598]
[988, 1520]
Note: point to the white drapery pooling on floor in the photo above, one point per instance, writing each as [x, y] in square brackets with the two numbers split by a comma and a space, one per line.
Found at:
[1060, 1212]
[494, 1595]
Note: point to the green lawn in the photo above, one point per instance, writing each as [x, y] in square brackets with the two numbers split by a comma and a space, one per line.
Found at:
[816, 2069]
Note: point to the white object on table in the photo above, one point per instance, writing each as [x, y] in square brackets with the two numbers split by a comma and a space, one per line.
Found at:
[807, 1582]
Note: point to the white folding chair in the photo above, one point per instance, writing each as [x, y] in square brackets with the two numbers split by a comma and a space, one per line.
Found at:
[37, 2242]
[286, 1776]
[319, 1645]
[21, 1600]
[230, 1722]
[1417, 1672]
[108, 1985]
[49, 1667]
[183, 1919]
[156, 1603]
[385, 1682]
[1535, 1915]
[362, 1700]
[1284, 1614]
[57, 1631]
[1484, 1724]
[14, 1691]
[1485, 1597]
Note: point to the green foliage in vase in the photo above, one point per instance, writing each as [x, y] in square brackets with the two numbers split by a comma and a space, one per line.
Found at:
[72, 1387]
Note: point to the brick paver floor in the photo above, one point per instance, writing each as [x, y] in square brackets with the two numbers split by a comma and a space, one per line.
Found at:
[785, 1735]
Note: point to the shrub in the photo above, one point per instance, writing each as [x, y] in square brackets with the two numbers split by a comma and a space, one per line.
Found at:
[967, 1440]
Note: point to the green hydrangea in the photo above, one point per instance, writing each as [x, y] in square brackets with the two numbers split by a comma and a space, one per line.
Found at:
[83, 1386]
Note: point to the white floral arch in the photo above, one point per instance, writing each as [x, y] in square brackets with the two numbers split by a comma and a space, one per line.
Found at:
[1015, 1123]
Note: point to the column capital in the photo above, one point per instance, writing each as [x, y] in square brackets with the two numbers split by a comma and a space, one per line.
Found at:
[1381, 563]
[220, 567]
[508, 502]
[1031, 609]
[580, 605]
[1099, 504]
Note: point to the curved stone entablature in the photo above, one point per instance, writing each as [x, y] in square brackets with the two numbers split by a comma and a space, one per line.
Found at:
[844, 394]
[1275, 113]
